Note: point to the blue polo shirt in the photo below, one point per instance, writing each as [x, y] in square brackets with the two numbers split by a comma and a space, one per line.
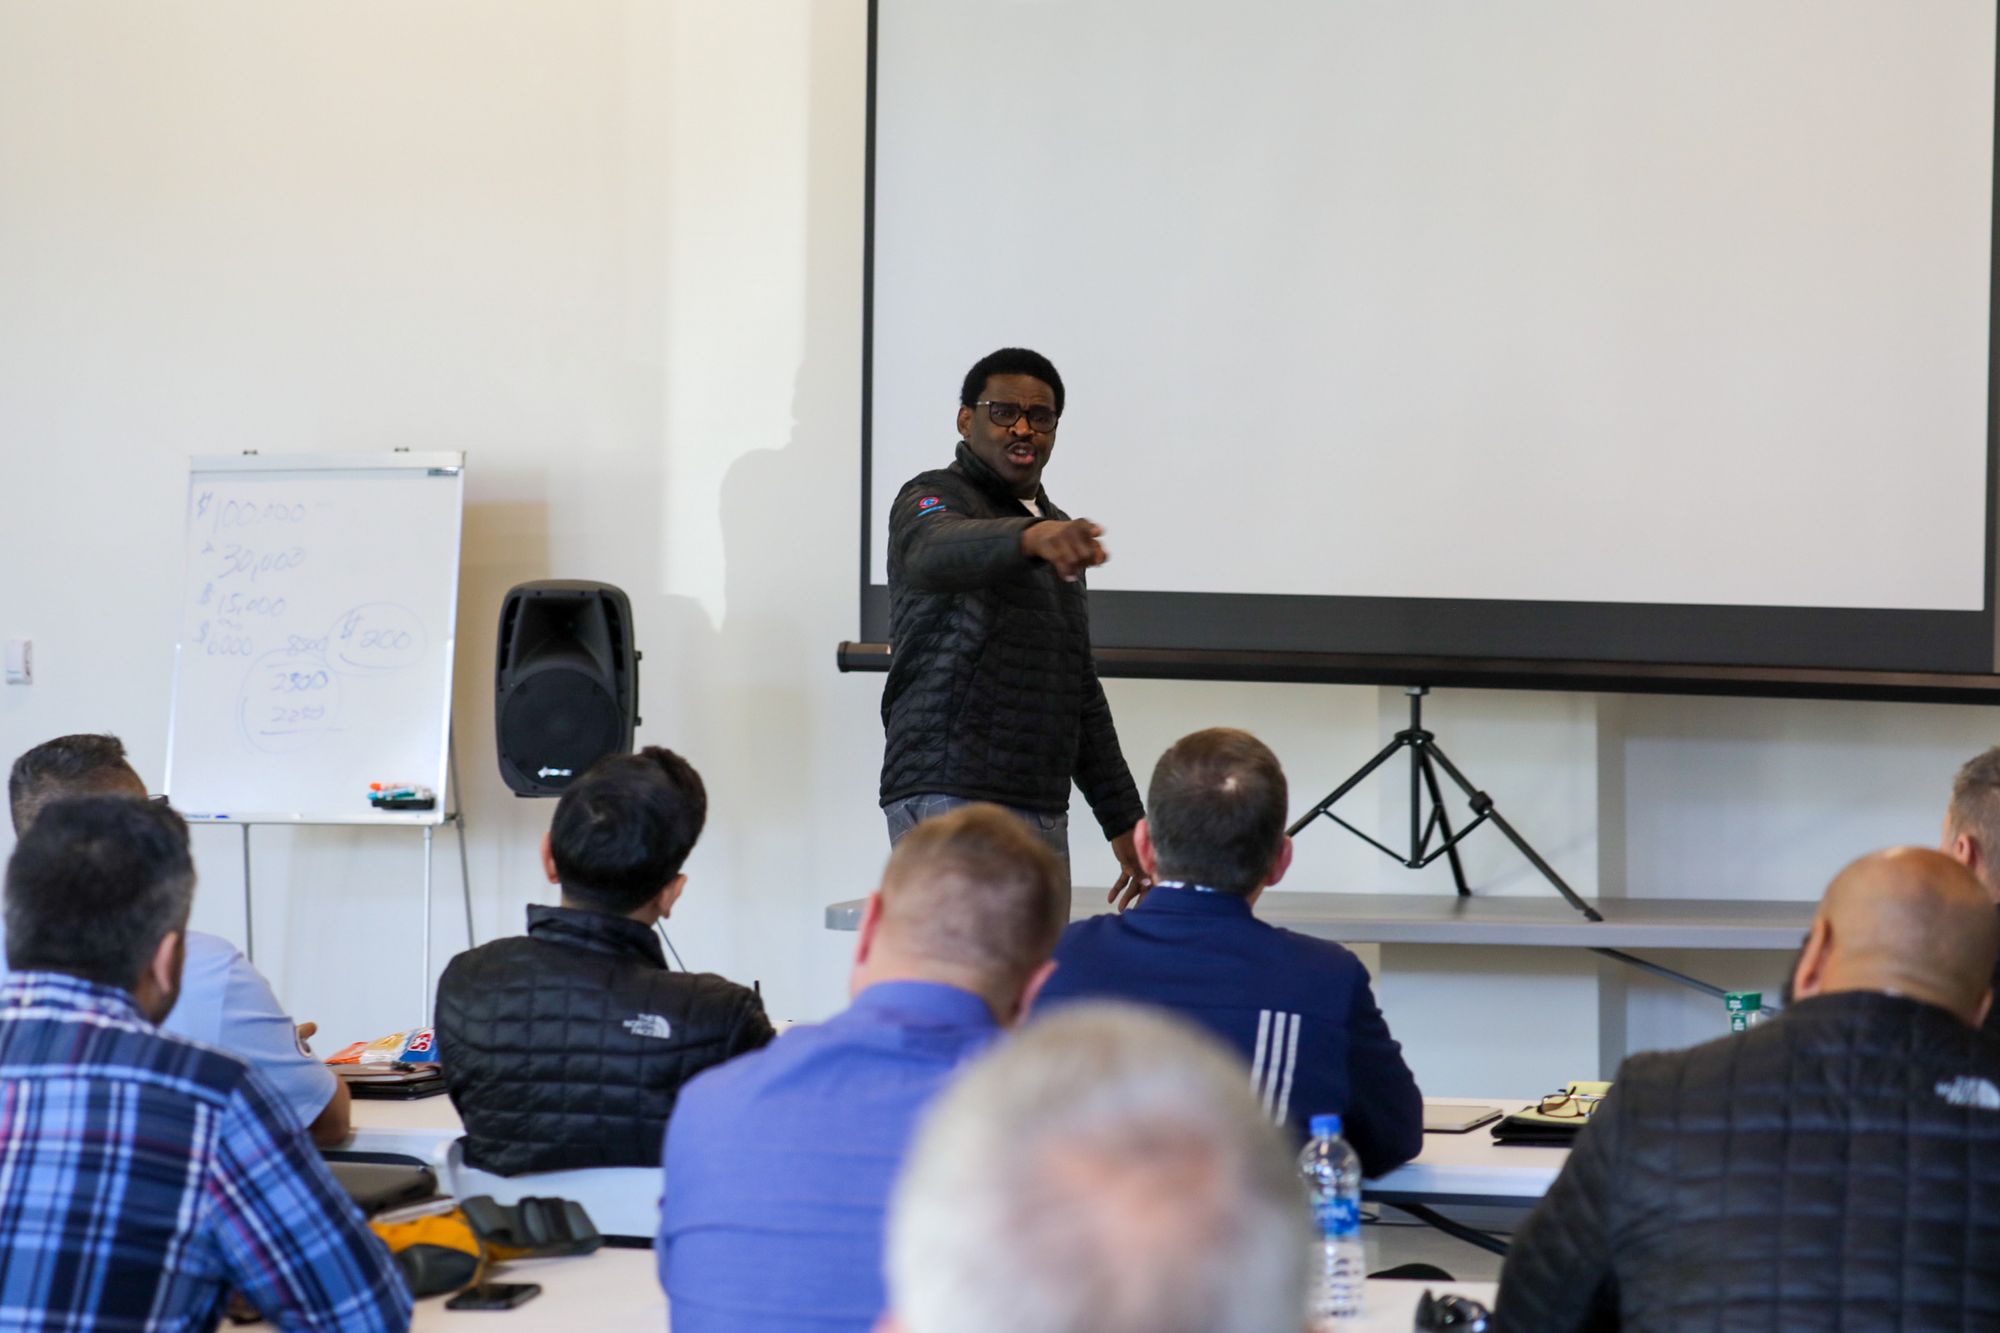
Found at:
[226, 1003]
[1299, 1009]
[779, 1163]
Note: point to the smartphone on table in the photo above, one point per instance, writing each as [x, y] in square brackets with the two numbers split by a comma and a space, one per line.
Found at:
[494, 1296]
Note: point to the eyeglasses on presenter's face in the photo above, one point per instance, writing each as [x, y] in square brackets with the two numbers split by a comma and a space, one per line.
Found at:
[1041, 419]
[1011, 427]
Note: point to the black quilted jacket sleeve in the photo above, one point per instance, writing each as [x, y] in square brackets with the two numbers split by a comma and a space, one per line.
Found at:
[950, 546]
[1558, 1277]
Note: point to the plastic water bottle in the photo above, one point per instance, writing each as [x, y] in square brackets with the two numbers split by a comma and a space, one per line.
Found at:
[1333, 1178]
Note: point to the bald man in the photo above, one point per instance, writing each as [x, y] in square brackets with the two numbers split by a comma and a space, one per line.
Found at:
[1836, 1168]
[1972, 833]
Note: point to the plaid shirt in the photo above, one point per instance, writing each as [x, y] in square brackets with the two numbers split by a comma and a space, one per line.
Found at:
[142, 1177]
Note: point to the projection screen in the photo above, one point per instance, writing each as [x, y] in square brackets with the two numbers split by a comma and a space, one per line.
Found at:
[1549, 329]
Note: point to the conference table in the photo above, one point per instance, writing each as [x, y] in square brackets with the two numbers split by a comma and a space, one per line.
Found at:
[1453, 1168]
[1471, 1168]
[418, 1128]
[1465, 1168]
[619, 1289]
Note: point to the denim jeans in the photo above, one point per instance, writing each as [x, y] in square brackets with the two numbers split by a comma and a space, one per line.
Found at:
[910, 811]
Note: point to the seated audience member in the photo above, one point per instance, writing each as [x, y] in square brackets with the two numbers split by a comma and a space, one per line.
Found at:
[1298, 1009]
[224, 1001]
[566, 1047]
[1833, 1168]
[143, 1176]
[779, 1165]
[1107, 1171]
[1972, 835]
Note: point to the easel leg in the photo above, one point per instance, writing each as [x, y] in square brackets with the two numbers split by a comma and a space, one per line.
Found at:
[249, 931]
[457, 817]
[425, 980]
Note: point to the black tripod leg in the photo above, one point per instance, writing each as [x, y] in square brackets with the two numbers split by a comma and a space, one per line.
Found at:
[1380, 759]
[1444, 822]
[1482, 804]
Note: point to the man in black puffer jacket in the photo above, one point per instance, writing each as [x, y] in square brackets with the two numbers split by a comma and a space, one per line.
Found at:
[993, 693]
[566, 1047]
[1838, 1168]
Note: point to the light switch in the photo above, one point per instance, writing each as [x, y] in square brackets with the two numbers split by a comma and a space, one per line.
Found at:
[20, 662]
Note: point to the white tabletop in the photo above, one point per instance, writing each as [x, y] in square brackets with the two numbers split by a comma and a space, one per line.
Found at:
[1471, 1167]
[619, 1289]
[416, 1128]
[1452, 1167]
[612, 1289]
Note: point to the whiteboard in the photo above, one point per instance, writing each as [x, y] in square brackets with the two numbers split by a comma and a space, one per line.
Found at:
[318, 615]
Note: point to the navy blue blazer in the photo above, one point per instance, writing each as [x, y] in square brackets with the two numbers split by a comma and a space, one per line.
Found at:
[1299, 1009]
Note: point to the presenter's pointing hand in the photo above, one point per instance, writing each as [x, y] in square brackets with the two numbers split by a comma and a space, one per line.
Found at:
[1069, 548]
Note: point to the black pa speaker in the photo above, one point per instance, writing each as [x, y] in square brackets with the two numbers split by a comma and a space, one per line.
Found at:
[566, 684]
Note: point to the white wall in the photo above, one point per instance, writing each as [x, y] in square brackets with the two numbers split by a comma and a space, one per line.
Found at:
[613, 251]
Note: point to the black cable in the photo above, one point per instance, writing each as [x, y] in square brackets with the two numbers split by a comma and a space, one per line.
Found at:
[661, 927]
[1456, 1230]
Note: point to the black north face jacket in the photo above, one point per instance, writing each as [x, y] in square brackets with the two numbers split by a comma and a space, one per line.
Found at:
[566, 1047]
[992, 694]
[1838, 1168]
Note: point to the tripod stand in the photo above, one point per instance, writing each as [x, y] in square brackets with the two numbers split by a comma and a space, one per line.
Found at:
[1425, 760]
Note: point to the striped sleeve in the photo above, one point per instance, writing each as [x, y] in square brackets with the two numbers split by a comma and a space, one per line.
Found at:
[292, 1240]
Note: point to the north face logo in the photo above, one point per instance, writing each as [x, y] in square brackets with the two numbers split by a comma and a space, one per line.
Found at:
[1965, 1090]
[652, 1025]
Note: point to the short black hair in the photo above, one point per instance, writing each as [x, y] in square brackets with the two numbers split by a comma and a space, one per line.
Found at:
[1010, 361]
[94, 885]
[1216, 811]
[623, 829]
[81, 765]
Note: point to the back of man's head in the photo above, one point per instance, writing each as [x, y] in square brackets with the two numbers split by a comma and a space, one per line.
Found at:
[1216, 811]
[1974, 816]
[1906, 921]
[82, 765]
[1107, 1171]
[623, 829]
[94, 885]
[975, 894]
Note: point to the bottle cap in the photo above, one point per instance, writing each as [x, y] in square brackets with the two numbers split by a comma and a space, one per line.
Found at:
[1325, 1126]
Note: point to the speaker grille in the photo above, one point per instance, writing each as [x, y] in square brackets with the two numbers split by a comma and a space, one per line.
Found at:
[556, 723]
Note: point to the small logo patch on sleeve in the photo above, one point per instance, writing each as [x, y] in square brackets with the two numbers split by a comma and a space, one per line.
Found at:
[930, 504]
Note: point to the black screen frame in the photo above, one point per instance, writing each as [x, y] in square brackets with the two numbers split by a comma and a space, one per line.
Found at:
[1507, 643]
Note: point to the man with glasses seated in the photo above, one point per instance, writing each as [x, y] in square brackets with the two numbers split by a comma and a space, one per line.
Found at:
[1833, 1168]
[992, 692]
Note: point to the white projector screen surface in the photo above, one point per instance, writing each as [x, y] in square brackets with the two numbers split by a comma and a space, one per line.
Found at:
[1547, 302]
